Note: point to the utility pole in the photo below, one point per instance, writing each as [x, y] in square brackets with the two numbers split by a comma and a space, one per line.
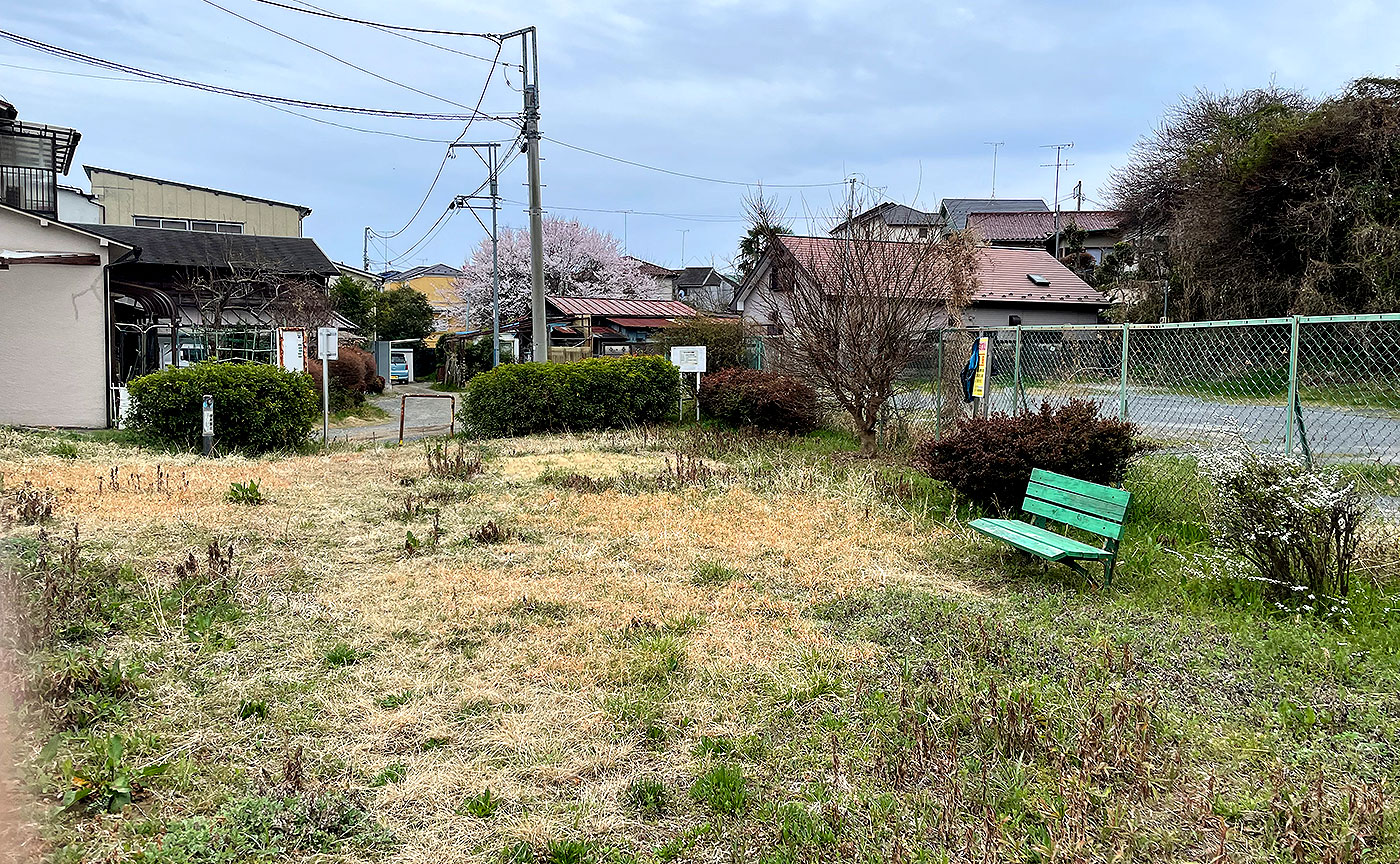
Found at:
[366, 248]
[492, 162]
[1078, 196]
[624, 231]
[530, 72]
[1057, 165]
[995, 145]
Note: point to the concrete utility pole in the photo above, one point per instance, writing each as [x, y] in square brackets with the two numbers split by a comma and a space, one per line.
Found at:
[1057, 165]
[530, 71]
[494, 196]
[366, 248]
[1078, 194]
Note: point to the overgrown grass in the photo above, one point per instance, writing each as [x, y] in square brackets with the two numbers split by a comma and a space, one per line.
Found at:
[810, 659]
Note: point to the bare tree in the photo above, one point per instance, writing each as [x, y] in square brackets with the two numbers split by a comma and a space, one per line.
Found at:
[303, 303]
[253, 285]
[853, 313]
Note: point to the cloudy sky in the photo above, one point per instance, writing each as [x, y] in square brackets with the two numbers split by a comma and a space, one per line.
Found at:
[902, 95]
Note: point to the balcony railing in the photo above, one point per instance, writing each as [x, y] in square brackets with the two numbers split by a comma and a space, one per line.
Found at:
[31, 189]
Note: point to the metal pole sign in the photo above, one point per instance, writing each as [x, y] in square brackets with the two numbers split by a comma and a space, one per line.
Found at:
[690, 358]
[208, 411]
[328, 346]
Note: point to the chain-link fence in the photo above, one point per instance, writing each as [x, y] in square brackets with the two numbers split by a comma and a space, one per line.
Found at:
[1325, 389]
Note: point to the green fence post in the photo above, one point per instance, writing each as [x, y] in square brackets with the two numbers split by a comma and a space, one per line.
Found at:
[938, 391]
[1123, 376]
[1016, 376]
[1292, 388]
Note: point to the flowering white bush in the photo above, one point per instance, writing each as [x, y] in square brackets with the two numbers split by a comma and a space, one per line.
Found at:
[1297, 526]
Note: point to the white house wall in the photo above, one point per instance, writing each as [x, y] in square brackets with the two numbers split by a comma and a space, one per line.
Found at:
[53, 348]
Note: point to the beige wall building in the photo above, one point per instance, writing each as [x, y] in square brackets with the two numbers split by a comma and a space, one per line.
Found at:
[149, 202]
[53, 331]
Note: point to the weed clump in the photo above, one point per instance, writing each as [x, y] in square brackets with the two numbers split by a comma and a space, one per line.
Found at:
[30, 505]
[247, 492]
[452, 465]
[647, 795]
[723, 788]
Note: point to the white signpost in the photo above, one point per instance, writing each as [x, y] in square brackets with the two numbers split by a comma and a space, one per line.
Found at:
[328, 347]
[208, 416]
[690, 358]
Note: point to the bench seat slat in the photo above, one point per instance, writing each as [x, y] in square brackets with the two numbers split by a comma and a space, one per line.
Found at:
[1005, 530]
[1065, 547]
[1110, 510]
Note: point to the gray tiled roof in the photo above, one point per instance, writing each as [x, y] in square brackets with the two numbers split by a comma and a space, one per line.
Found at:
[204, 249]
[956, 210]
[428, 270]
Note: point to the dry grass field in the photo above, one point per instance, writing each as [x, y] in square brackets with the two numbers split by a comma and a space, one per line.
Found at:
[654, 647]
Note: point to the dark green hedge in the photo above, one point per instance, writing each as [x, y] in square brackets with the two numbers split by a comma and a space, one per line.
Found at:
[257, 408]
[760, 400]
[601, 393]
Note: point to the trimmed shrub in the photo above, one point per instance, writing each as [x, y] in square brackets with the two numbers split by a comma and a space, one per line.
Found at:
[257, 408]
[726, 340]
[353, 374]
[763, 400]
[599, 393]
[989, 461]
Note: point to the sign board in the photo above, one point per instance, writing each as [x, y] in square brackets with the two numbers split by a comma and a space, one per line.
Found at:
[292, 357]
[328, 343]
[208, 415]
[979, 379]
[690, 358]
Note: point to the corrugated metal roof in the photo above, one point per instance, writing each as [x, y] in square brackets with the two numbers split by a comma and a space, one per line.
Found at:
[614, 306]
[956, 210]
[1038, 224]
[642, 323]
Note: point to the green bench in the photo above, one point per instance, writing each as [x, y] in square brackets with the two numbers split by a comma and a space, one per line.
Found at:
[1055, 498]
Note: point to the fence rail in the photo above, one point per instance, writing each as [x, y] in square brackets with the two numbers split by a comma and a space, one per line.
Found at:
[1325, 389]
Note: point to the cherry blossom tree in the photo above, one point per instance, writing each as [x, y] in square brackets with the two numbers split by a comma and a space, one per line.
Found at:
[579, 261]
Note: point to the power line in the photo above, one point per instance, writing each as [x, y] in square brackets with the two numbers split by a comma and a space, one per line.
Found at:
[690, 217]
[341, 60]
[392, 32]
[447, 154]
[321, 120]
[325, 14]
[689, 176]
[87, 59]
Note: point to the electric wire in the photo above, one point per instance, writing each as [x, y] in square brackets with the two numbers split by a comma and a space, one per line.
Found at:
[111, 65]
[690, 176]
[341, 60]
[447, 154]
[392, 32]
[432, 32]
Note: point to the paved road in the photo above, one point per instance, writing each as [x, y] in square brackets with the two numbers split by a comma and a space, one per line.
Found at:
[1336, 432]
[422, 417]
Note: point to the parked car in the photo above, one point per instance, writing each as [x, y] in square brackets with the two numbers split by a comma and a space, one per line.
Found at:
[398, 370]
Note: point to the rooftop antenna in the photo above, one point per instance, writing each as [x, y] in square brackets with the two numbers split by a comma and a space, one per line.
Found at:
[1057, 165]
[995, 145]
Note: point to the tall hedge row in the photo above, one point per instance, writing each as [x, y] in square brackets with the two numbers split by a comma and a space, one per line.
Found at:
[257, 408]
[600, 393]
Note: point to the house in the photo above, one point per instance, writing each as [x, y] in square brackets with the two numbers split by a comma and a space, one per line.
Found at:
[953, 212]
[889, 221]
[209, 294]
[437, 282]
[705, 288]
[608, 325]
[1035, 229]
[1015, 286]
[55, 334]
[663, 279]
[150, 202]
[89, 305]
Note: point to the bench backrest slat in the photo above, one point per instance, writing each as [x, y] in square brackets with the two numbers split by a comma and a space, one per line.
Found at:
[1078, 503]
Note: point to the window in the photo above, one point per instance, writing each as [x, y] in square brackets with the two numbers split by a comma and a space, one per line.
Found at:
[923, 231]
[206, 225]
[1037, 279]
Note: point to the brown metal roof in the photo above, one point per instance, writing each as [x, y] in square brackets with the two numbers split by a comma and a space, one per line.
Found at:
[1038, 225]
[627, 308]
